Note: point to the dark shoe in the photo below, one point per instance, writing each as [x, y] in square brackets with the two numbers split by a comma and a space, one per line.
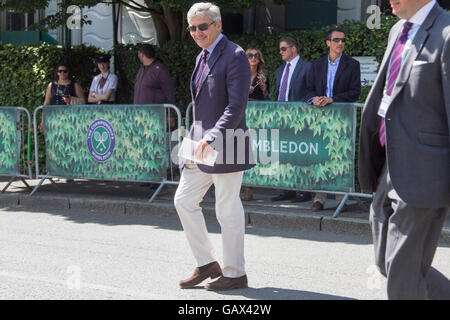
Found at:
[317, 206]
[302, 197]
[225, 283]
[152, 186]
[248, 194]
[211, 270]
[286, 195]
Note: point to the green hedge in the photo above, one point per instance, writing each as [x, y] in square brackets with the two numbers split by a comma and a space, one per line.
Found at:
[25, 71]
[180, 56]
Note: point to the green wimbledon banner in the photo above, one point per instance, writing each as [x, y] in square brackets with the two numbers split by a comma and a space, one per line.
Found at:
[107, 142]
[301, 146]
[9, 141]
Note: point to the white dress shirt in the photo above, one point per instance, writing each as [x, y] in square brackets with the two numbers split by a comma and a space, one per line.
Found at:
[111, 83]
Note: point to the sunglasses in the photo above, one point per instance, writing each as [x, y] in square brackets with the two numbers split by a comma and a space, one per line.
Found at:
[63, 71]
[337, 40]
[285, 48]
[253, 55]
[201, 27]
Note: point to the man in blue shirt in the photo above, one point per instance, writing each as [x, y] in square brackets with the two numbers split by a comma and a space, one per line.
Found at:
[333, 78]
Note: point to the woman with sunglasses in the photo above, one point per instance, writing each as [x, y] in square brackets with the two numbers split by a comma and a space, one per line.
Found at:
[259, 90]
[63, 90]
[259, 83]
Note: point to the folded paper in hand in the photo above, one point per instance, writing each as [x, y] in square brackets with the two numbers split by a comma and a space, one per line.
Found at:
[187, 149]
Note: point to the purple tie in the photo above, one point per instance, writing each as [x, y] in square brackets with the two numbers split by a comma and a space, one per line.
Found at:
[200, 70]
[394, 67]
[284, 84]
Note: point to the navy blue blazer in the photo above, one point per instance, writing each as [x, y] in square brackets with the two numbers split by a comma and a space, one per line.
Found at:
[219, 105]
[298, 86]
[347, 83]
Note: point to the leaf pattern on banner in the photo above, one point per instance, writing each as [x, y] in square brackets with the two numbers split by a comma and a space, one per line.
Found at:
[9, 150]
[334, 123]
[140, 148]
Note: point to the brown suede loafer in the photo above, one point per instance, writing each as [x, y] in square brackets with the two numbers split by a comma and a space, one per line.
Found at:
[211, 270]
[225, 283]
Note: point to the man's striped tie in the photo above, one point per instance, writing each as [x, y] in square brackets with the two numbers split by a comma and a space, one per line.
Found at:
[394, 67]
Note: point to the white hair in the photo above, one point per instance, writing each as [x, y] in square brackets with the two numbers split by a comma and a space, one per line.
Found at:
[204, 8]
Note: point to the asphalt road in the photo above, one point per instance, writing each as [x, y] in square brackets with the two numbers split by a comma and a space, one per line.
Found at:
[85, 255]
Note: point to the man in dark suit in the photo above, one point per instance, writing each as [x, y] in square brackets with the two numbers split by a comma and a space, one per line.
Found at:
[333, 78]
[219, 87]
[291, 86]
[405, 150]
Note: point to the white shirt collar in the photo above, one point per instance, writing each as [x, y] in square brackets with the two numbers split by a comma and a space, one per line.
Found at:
[214, 44]
[294, 61]
[335, 61]
[419, 17]
[106, 75]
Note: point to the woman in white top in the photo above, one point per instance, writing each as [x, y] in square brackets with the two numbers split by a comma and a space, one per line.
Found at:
[104, 85]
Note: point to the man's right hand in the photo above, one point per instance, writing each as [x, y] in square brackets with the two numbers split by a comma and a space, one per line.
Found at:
[317, 101]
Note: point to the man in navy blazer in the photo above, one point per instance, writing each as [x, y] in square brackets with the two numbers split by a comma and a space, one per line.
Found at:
[219, 85]
[292, 86]
[333, 78]
[298, 72]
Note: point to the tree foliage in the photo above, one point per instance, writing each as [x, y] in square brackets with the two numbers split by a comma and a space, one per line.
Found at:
[169, 16]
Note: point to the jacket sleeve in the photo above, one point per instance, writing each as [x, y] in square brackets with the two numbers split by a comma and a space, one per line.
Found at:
[311, 82]
[445, 61]
[237, 88]
[354, 88]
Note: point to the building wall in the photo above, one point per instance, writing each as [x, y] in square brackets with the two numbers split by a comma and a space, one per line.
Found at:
[133, 27]
[3, 21]
[272, 18]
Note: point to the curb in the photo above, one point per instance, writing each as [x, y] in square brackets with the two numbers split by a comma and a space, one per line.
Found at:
[297, 221]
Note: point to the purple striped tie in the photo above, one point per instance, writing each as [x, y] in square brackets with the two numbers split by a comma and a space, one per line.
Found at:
[394, 67]
[284, 84]
[200, 70]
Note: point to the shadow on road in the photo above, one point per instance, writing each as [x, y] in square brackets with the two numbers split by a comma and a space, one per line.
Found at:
[270, 293]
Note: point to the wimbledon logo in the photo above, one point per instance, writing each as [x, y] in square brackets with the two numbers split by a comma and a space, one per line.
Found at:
[101, 140]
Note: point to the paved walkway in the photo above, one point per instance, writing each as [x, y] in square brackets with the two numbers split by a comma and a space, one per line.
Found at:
[132, 198]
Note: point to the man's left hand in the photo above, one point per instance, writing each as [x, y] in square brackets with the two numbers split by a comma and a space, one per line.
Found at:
[203, 150]
[325, 101]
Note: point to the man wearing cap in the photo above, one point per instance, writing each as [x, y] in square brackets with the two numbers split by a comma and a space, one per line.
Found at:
[104, 86]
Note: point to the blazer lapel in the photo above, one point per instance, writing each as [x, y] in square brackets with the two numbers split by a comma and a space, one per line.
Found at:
[387, 56]
[340, 70]
[297, 70]
[419, 40]
[211, 62]
[324, 76]
[193, 75]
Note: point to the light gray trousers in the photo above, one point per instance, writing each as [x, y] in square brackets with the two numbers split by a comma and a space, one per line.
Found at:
[405, 240]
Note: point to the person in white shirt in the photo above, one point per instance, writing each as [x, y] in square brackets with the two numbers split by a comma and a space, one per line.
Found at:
[104, 86]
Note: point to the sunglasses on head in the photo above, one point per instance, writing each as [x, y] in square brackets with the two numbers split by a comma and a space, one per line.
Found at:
[253, 55]
[285, 48]
[337, 40]
[62, 71]
[201, 27]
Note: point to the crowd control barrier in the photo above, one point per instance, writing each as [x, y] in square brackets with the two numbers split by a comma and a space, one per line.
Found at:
[107, 142]
[298, 146]
[12, 140]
